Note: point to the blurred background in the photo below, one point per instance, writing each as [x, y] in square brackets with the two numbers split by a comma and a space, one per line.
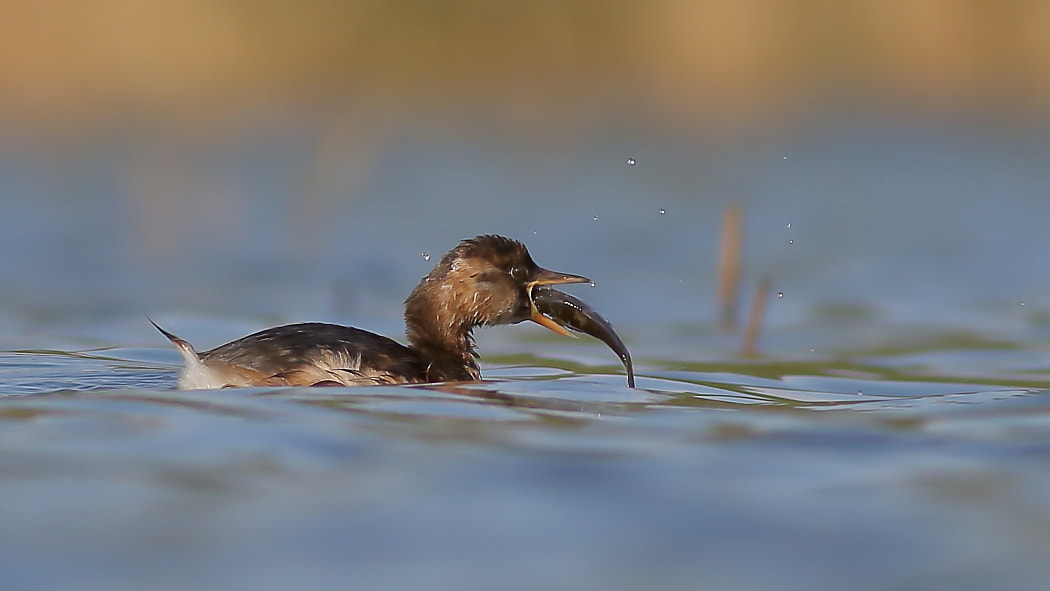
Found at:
[228, 165]
[206, 69]
[298, 160]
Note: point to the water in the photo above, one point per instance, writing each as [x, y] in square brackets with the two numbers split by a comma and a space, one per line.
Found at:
[891, 434]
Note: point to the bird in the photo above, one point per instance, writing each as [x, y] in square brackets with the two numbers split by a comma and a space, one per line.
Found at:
[487, 280]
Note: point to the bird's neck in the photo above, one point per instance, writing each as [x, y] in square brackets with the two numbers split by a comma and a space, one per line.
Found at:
[441, 334]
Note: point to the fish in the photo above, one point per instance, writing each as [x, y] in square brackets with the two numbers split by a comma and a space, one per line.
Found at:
[564, 310]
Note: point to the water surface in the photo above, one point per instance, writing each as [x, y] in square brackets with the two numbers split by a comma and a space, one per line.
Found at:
[892, 433]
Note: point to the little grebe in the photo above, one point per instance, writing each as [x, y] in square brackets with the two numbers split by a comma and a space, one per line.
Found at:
[483, 281]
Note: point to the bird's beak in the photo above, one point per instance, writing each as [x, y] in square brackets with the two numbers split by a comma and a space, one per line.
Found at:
[545, 277]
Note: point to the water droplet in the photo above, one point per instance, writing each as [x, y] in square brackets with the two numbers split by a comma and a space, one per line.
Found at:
[595, 217]
[662, 211]
[812, 350]
[791, 241]
[785, 157]
[426, 256]
[631, 162]
[780, 294]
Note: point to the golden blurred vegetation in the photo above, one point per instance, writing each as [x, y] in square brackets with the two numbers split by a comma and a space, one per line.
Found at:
[70, 64]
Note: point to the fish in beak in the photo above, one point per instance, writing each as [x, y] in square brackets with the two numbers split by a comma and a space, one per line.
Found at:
[557, 311]
[541, 279]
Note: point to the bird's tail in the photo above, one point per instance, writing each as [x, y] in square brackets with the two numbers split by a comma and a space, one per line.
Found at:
[185, 348]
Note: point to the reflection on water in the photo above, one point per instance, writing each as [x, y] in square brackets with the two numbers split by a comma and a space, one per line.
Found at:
[537, 477]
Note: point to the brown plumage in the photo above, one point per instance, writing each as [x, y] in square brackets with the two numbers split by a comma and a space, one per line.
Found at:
[483, 281]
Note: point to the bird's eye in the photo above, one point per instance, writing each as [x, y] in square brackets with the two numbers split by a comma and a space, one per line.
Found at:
[518, 273]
